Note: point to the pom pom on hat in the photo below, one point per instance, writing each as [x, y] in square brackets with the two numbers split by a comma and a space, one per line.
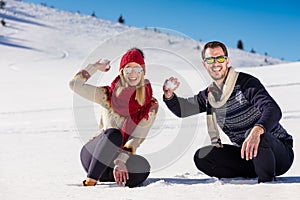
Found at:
[133, 55]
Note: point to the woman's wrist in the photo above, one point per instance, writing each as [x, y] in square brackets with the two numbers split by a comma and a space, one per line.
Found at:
[119, 162]
[91, 69]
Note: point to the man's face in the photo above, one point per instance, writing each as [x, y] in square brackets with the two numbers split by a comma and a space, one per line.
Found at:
[216, 70]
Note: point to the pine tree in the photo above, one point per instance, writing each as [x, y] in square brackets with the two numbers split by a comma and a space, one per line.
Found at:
[252, 51]
[2, 4]
[240, 45]
[121, 20]
[3, 23]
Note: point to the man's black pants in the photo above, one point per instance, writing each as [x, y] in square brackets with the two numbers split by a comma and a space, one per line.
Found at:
[274, 158]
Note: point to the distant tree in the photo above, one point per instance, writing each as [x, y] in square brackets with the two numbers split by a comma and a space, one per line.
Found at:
[121, 20]
[252, 51]
[240, 45]
[3, 23]
[2, 4]
[93, 14]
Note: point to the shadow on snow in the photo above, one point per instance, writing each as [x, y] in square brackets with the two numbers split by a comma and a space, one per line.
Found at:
[187, 181]
[246, 181]
[13, 18]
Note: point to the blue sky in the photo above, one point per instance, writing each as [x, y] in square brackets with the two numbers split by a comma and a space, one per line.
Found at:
[271, 27]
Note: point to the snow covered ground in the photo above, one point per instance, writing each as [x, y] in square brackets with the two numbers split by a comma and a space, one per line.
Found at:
[44, 125]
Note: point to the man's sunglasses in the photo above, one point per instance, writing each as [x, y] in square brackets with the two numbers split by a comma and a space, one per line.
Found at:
[137, 69]
[219, 59]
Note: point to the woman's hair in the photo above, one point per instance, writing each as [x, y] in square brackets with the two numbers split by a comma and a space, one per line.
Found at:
[140, 88]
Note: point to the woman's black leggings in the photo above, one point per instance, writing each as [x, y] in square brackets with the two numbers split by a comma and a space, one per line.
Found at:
[98, 154]
[274, 158]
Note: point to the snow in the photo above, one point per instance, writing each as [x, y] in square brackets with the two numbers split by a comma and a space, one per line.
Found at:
[44, 125]
[170, 85]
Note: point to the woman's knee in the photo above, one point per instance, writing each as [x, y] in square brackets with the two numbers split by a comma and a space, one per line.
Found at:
[137, 164]
[114, 135]
[85, 158]
[139, 169]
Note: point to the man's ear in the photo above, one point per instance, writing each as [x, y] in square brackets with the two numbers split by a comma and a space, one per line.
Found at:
[228, 61]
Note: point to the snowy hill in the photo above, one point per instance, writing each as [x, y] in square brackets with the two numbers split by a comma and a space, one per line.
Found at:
[41, 49]
[57, 32]
[39, 36]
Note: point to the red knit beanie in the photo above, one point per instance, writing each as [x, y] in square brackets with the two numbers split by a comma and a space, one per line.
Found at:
[132, 55]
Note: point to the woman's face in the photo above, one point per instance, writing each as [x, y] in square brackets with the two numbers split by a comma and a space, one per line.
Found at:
[133, 73]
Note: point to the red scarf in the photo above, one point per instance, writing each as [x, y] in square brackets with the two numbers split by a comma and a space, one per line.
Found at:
[126, 105]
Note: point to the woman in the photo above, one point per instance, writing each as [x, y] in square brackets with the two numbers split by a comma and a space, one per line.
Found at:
[128, 111]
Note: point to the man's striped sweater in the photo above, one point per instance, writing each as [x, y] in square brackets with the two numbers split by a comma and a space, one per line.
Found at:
[249, 104]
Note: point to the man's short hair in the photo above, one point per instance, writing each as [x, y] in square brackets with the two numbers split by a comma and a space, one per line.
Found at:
[214, 44]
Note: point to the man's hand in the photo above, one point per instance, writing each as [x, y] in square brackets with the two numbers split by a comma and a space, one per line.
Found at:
[102, 65]
[120, 172]
[170, 86]
[250, 145]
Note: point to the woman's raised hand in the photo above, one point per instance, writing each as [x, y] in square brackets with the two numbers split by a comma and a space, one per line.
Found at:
[102, 65]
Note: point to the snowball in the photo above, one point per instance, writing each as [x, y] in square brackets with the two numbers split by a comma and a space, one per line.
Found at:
[104, 61]
[170, 85]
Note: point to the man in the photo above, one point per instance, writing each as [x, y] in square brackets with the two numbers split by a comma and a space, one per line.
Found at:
[240, 105]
